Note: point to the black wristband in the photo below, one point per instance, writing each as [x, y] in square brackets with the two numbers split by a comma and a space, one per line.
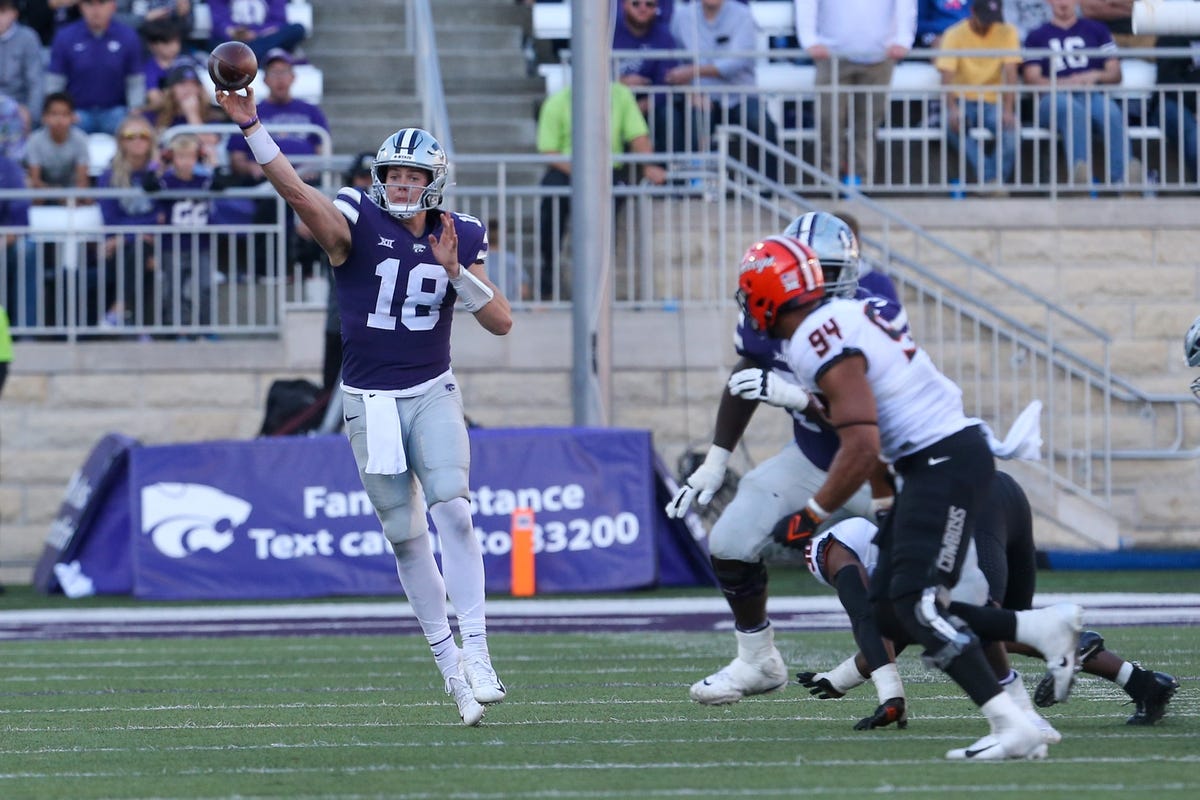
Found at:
[249, 124]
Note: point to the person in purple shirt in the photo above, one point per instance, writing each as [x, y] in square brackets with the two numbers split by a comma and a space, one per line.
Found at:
[21, 281]
[401, 262]
[185, 259]
[1070, 101]
[740, 538]
[262, 24]
[98, 61]
[639, 27]
[278, 108]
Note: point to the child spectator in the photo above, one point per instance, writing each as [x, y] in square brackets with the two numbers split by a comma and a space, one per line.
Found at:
[165, 47]
[185, 102]
[56, 154]
[186, 258]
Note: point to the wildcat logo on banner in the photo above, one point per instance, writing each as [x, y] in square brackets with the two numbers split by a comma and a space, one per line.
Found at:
[287, 517]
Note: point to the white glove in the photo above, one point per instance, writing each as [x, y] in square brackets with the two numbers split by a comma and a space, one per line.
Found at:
[759, 384]
[702, 484]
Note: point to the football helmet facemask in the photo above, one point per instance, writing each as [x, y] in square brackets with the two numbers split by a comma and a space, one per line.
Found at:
[777, 273]
[834, 244]
[410, 147]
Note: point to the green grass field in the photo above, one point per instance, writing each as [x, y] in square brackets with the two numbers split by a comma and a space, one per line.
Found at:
[588, 716]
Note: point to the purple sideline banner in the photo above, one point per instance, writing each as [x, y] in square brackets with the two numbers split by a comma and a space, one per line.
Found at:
[287, 516]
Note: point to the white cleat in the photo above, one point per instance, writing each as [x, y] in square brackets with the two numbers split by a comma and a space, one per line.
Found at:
[1015, 744]
[758, 669]
[469, 708]
[1060, 646]
[1049, 734]
[1020, 697]
[484, 681]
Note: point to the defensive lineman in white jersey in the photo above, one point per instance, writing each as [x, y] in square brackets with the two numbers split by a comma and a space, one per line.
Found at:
[887, 400]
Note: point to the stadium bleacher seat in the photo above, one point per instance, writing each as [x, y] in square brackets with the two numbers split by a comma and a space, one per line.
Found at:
[63, 225]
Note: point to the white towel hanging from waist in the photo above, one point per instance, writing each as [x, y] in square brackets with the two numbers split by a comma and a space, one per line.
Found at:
[385, 441]
[1024, 439]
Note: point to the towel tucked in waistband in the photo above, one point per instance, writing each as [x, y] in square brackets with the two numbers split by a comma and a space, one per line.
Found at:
[385, 442]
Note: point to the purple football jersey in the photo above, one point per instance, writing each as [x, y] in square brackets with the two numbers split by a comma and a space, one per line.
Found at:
[394, 299]
[1085, 34]
[816, 443]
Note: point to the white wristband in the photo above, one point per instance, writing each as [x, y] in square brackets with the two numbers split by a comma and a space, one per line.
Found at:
[475, 293]
[262, 146]
[815, 507]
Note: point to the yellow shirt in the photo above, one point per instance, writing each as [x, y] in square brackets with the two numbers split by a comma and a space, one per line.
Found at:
[978, 70]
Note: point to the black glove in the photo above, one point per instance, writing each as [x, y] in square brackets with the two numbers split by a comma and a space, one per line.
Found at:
[820, 688]
[887, 713]
[795, 530]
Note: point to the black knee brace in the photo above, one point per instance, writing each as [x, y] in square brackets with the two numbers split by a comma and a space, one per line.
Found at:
[739, 579]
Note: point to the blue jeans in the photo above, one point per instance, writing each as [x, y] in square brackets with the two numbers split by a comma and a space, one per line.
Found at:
[978, 114]
[1076, 113]
[21, 282]
[287, 37]
[101, 120]
[1179, 126]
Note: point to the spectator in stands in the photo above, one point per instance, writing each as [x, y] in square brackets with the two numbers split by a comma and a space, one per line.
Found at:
[994, 111]
[278, 108]
[640, 28]
[22, 70]
[1175, 110]
[56, 154]
[262, 24]
[129, 258]
[21, 280]
[13, 129]
[174, 14]
[185, 259]
[98, 60]
[1026, 15]
[165, 47]
[629, 130]
[934, 18]
[720, 34]
[185, 102]
[854, 43]
[1070, 101]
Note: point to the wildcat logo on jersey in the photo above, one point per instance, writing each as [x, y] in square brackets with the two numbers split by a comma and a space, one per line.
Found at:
[419, 248]
[182, 518]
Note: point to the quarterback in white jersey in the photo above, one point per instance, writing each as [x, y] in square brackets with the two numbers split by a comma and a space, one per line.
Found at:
[886, 400]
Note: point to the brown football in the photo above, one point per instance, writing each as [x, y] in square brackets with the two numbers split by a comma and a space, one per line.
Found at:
[232, 65]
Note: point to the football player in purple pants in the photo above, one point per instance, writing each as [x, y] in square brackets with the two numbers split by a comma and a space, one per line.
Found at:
[401, 262]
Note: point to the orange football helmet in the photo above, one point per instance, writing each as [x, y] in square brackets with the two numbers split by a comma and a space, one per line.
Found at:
[779, 271]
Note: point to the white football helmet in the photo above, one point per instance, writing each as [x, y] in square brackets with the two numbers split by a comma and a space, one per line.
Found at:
[410, 147]
[1191, 344]
[835, 246]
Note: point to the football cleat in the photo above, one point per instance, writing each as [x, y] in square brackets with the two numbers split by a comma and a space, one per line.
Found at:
[1049, 734]
[1152, 704]
[891, 711]
[1090, 645]
[469, 708]
[484, 682]
[1012, 744]
[740, 679]
[1054, 631]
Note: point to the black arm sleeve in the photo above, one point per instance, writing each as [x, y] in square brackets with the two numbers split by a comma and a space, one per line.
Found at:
[853, 594]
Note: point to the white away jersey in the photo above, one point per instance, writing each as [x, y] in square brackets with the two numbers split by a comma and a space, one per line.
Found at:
[917, 404]
[856, 533]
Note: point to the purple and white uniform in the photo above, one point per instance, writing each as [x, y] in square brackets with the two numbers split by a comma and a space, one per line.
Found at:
[400, 396]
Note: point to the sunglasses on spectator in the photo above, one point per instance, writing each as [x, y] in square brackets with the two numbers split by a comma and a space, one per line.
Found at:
[137, 135]
[644, 3]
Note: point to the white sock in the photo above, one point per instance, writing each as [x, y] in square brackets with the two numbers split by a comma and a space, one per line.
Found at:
[887, 682]
[1014, 687]
[1124, 674]
[462, 567]
[426, 594]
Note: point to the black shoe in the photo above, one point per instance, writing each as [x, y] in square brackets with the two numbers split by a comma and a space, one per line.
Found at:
[1090, 644]
[1153, 699]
